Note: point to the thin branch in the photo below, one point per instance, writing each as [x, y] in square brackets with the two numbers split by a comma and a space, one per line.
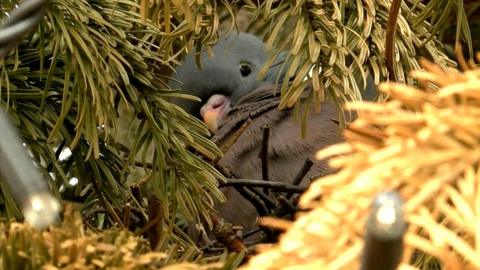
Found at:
[253, 198]
[155, 212]
[390, 38]
[91, 227]
[303, 171]
[225, 171]
[269, 202]
[149, 225]
[287, 206]
[277, 186]
[262, 210]
[263, 155]
[252, 232]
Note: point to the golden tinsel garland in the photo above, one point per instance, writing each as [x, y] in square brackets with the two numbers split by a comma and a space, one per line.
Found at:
[70, 245]
[424, 143]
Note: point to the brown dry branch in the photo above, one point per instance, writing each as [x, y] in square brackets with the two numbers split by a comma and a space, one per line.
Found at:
[424, 143]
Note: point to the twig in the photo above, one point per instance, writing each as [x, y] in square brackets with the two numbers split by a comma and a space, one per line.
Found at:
[269, 202]
[253, 198]
[154, 213]
[301, 174]
[210, 249]
[135, 191]
[225, 171]
[303, 171]
[390, 38]
[287, 206]
[277, 186]
[149, 225]
[112, 212]
[91, 227]
[263, 155]
[262, 210]
[252, 232]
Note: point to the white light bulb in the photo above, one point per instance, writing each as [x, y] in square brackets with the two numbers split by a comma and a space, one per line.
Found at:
[41, 210]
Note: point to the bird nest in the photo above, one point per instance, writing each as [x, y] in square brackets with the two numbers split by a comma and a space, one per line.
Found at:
[423, 143]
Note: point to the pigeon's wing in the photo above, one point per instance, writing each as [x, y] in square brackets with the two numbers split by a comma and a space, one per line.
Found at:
[287, 152]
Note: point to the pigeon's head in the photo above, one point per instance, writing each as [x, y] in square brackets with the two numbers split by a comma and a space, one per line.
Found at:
[223, 79]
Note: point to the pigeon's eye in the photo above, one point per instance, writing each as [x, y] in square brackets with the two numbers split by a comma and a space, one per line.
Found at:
[245, 69]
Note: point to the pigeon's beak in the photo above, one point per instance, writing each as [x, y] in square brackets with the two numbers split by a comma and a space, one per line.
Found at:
[214, 111]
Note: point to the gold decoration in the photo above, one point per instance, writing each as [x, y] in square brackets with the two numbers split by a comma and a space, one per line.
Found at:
[424, 143]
